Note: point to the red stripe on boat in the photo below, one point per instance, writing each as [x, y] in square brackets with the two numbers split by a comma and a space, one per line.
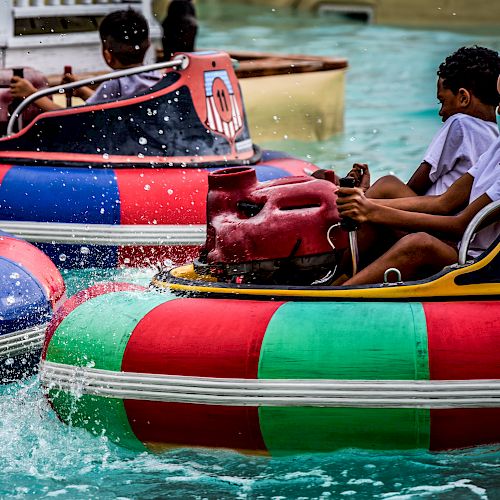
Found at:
[205, 338]
[463, 339]
[3, 170]
[167, 197]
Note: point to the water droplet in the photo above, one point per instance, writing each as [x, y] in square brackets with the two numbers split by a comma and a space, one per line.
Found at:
[170, 191]
[14, 276]
[84, 250]
[147, 187]
[143, 140]
[10, 299]
[62, 257]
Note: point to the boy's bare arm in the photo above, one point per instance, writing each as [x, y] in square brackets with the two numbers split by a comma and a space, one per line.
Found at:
[82, 92]
[420, 181]
[20, 87]
[451, 201]
[354, 204]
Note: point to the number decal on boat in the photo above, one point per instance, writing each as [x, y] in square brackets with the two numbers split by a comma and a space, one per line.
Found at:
[223, 112]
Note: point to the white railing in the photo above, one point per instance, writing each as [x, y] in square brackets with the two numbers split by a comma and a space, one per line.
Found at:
[10, 10]
[68, 8]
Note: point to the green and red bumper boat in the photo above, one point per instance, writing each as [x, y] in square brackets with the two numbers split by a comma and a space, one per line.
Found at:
[281, 368]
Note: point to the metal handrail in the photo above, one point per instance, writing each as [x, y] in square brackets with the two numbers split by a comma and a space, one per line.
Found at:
[472, 229]
[181, 61]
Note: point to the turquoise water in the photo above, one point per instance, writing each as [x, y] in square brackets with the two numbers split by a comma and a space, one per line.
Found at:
[391, 116]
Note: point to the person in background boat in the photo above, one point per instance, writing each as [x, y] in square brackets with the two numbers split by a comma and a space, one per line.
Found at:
[466, 90]
[179, 28]
[125, 39]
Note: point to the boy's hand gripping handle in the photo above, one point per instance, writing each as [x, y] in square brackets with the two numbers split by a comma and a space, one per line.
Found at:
[16, 101]
[346, 223]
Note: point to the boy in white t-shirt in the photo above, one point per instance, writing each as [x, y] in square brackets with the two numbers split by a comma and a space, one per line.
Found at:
[433, 222]
[466, 89]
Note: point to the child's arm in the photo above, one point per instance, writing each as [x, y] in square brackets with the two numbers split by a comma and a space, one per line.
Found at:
[451, 201]
[444, 226]
[20, 87]
[354, 204]
[81, 92]
[420, 181]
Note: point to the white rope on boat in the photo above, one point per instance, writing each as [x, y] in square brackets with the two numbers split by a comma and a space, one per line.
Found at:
[106, 234]
[22, 341]
[272, 392]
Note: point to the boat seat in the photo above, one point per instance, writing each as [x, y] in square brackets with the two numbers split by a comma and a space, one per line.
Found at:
[486, 214]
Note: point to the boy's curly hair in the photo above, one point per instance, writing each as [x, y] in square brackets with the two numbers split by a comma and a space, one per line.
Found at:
[475, 69]
[125, 33]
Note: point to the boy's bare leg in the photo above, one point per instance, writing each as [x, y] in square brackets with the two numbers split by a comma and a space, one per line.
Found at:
[416, 255]
[373, 241]
[389, 186]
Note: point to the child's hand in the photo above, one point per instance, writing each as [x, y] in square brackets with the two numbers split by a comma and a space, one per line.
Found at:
[20, 87]
[68, 78]
[361, 174]
[353, 203]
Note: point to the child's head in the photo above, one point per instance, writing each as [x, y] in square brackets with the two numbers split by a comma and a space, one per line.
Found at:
[468, 79]
[125, 38]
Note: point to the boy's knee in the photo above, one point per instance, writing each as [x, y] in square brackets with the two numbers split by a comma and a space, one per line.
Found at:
[385, 187]
[416, 244]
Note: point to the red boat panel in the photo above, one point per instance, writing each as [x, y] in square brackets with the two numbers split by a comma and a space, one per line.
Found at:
[175, 198]
[3, 170]
[463, 342]
[464, 427]
[220, 338]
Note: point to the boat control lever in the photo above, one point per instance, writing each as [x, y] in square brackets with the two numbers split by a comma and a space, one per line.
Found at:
[351, 226]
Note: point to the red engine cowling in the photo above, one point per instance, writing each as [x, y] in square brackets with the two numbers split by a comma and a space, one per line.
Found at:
[282, 231]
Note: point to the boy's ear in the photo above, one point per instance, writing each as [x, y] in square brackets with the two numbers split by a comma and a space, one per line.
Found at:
[108, 56]
[464, 97]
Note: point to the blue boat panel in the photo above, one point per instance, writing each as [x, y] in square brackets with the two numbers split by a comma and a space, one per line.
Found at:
[269, 173]
[66, 256]
[54, 194]
[270, 154]
[264, 172]
[23, 302]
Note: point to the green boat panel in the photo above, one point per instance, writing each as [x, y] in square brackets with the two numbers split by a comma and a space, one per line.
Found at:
[347, 341]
